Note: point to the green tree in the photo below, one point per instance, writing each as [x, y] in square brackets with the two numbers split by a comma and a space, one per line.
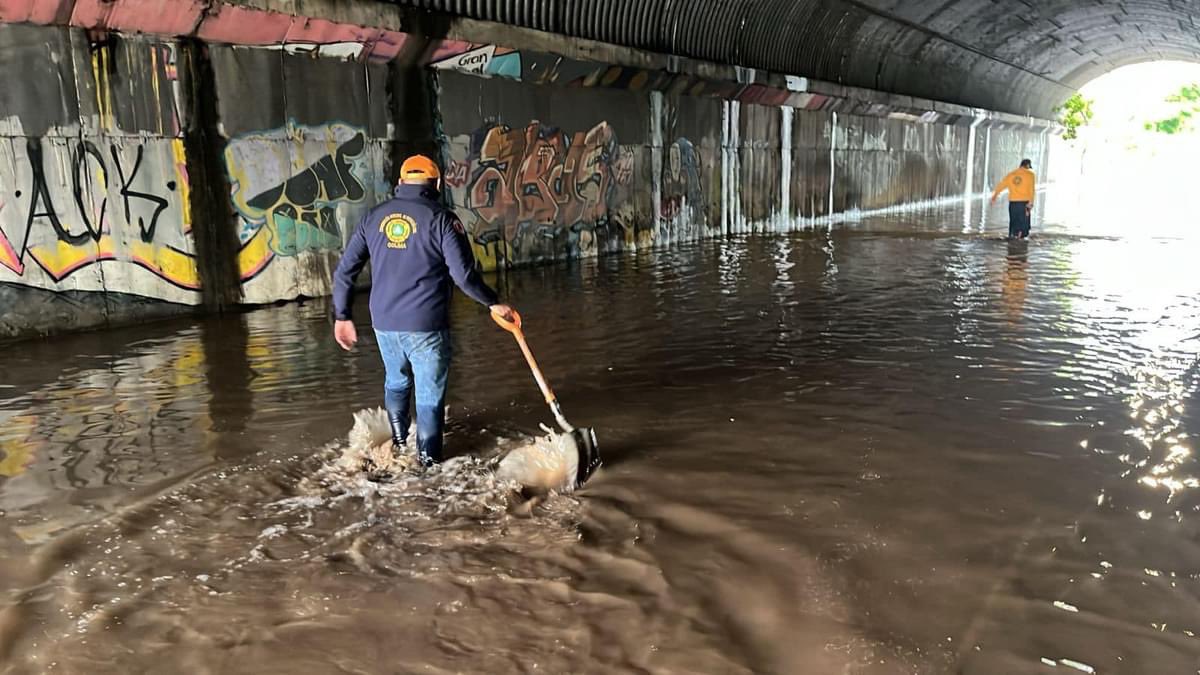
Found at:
[1188, 98]
[1075, 113]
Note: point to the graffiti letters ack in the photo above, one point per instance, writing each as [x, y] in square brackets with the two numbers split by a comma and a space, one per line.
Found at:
[275, 187]
[113, 211]
[129, 197]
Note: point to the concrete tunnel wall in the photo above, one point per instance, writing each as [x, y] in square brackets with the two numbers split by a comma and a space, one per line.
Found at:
[147, 175]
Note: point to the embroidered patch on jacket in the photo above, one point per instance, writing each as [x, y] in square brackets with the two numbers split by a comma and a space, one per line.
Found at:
[398, 228]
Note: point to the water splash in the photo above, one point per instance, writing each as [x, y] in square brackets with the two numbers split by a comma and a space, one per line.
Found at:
[542, 464]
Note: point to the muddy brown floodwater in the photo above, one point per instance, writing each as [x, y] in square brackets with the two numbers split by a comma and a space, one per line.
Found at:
[893, 447]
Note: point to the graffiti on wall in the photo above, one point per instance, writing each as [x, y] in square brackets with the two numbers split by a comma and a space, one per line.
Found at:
[73, 197]
[548, 68]
[477, 58]
[290, 184]
[68, 204]
[681, 188]
[540, 182]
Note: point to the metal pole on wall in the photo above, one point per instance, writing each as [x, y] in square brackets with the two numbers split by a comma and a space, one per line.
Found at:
[969, 185]
[987, 178]
[786, 117]
[832, 164]
[730, 189]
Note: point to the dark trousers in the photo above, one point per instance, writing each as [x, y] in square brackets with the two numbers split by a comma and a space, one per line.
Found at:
[1018, 219]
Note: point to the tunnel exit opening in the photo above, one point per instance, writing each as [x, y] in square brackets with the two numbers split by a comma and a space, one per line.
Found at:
[1130, 170]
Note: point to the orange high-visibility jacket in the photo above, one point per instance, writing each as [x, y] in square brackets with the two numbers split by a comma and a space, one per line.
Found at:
[1021, 185]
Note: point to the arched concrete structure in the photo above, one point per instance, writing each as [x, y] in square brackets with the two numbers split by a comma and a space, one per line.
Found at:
[1018, 56]
[222, 152]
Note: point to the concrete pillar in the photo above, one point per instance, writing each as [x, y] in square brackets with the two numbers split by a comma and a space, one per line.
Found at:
[214, 225]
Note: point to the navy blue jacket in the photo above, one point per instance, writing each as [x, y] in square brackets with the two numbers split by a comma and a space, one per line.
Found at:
[417, 247]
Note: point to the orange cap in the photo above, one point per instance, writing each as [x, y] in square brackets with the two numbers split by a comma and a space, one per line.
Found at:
[418, 167]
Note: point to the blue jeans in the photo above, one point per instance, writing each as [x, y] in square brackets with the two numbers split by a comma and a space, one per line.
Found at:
[421, 358]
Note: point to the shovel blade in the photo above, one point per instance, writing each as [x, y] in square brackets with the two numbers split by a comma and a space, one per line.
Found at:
[589, 454]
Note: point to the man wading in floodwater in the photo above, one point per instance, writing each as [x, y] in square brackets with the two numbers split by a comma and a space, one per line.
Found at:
[1021, 185]
[417, 248]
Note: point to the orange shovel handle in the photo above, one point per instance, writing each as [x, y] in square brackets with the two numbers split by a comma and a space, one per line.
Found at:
[514, 327]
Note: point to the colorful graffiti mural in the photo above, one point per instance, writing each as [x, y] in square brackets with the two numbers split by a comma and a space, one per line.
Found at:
[103, 205]
[539, 182]
[78, 203]
[681, 187]
[94, 186]
[291, 182]
[74, 196]
[481, 59]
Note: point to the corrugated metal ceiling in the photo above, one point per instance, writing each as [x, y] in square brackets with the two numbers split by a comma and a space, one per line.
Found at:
[1010, 55]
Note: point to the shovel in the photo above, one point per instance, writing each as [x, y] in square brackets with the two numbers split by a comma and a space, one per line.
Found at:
[584, 439]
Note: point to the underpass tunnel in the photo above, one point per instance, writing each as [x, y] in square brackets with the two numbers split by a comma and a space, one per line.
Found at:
[1016, 56]
[695, 119]
[847, 424]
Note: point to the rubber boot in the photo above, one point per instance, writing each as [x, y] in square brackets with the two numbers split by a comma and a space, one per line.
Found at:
[429, 451]
[399, 424]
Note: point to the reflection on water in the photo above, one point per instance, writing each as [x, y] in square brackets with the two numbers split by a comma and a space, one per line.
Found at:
[1016, 279]
[895, 447]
